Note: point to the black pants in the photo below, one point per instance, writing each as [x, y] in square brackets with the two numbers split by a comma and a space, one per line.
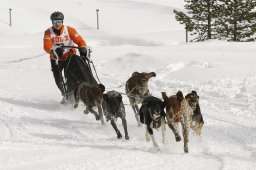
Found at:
[76, 71]
[57, 73]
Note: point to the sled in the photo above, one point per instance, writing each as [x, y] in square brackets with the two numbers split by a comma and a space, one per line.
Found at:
[78, 70]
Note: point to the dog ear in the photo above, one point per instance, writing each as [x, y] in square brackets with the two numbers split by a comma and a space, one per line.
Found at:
[188, 96]
[164, 96]
[194, 92]
[135, 74]
[119, 97]
[179, 96]
[102, 87]
[105, 97]
[148, 103]
[152, 74]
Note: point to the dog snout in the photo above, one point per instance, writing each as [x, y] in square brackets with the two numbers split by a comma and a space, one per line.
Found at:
[192, 105]
[157, 112]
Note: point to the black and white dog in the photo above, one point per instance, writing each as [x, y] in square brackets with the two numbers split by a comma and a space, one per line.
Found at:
[113, 108]
[153, 116]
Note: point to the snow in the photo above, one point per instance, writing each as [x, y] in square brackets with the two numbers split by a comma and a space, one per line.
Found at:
[37, 132]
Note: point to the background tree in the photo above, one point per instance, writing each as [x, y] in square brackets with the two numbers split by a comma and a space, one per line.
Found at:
[237, 19]
[199, 18]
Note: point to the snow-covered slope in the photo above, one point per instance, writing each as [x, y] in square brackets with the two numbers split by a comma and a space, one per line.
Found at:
[135, 35]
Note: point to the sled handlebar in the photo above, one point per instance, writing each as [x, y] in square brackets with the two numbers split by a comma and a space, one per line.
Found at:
[89, 50]
[67, 46]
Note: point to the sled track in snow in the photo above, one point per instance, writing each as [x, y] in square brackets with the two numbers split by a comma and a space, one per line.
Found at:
[24, 59]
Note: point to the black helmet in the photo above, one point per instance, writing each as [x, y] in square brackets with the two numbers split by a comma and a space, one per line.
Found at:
[57, 16]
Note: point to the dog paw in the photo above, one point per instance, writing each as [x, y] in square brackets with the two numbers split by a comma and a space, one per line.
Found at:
[127, 137]
[119, 135]
[97, 117]
[177, 138]
[157, 147]
[185, 149]
[147, 137]
[139, 124]
[164, 141]
[196, 133]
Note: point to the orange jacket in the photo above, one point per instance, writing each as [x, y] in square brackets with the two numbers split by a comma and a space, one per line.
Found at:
[74, 36]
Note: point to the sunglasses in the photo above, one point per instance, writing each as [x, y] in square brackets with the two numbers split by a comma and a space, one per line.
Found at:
[57, 21]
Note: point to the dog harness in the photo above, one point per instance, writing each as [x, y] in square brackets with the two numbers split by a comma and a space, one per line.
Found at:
[107, 111]
[110, 116]
[140, 93]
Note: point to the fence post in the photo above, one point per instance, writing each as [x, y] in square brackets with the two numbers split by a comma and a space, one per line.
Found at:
[186, 34]
[97, 12]
[10, 15]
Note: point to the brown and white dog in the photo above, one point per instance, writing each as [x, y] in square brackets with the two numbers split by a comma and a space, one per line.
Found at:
[91, 95]
[137, 89]
[178, 110]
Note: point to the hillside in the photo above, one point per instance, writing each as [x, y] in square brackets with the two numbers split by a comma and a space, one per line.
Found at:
[37, 132]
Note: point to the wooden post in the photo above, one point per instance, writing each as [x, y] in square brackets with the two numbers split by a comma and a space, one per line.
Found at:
[10, 15]
[97, 12]
[186, 34]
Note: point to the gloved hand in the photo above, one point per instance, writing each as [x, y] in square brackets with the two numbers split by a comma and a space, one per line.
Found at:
[57, 52]
[83, 52]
